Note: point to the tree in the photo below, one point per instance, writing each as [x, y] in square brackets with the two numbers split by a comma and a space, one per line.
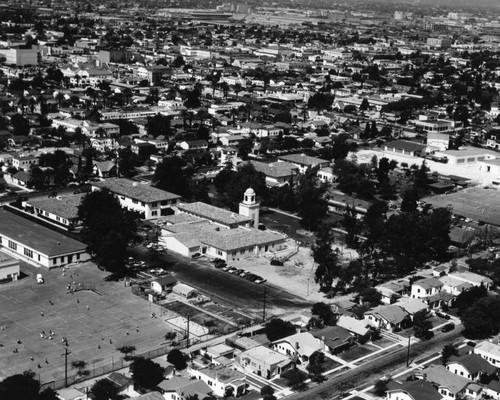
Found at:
[20, 387]
[295, 379]
[469, 296]
[380, 387]
[170, 176]
[80, 366]
[107, 229]
[325, 313]
[316, 360]
[278, 329]
[267, 393]
[177, 359]
[422, 326]
[370, 295]
[482, 318]
[146, 373]
[409, 202]
[326, 259]
[448, 351]
[311, 204]
[104, 389]
[127, 351]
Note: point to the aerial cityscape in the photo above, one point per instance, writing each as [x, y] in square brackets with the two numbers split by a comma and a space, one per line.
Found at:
[297, 199]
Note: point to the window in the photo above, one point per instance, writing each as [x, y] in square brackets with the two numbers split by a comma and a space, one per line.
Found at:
[78, 256]
[219, 253]
[12, 245]
[154, 204]
[28, 252]
[54, 261]
[154, 213]
[135, 201]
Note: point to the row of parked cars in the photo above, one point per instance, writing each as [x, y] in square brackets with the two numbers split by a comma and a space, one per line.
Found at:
[221, 264]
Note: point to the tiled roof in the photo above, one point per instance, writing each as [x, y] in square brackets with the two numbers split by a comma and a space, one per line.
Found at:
[212, 213]
[135, 190]
[65, 207]
[303, 159]
[275, 170]
[223, 374]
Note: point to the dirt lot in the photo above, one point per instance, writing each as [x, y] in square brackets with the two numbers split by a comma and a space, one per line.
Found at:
[95, 324]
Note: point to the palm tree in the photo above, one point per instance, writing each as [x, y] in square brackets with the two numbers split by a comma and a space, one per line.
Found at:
[127, 95]
[225, 88]
[237, 88]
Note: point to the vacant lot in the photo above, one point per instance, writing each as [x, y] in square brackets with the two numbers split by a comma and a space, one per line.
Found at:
[95, 324]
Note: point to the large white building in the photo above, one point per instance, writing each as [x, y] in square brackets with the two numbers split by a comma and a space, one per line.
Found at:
[38, 245]
[205, 229]
[20, 57]
[148, 201]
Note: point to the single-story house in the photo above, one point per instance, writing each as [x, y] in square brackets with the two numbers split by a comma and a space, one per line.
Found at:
[163, 284]
[471, 366]
[361, 330]
[388, 317]
[412, 306]
[185, 290]
[448, 384]
[124, 385]
[299, 346]
[335, 338]
[180, 388]
[263, 361]
[70, 394]
[490, 351]
[414, 390]
[224, 381]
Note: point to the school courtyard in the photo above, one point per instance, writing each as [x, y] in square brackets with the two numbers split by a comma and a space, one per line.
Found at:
[94, 322]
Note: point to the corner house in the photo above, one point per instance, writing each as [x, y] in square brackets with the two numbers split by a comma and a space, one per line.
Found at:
[29, 241]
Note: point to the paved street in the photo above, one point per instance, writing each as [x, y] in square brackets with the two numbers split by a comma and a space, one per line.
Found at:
[229, 289]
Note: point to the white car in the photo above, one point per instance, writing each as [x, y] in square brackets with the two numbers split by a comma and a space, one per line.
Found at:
[39, 278]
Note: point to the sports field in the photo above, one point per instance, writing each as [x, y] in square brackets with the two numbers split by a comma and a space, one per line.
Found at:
[478, 203]
[95, 324]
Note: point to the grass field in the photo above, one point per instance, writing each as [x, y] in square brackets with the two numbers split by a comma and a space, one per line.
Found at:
[95, 325]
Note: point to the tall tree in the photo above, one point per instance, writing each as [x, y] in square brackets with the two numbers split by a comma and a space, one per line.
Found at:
[169, 175]
[326, 259]
[146, 373]
[107, 229]
[311, 203]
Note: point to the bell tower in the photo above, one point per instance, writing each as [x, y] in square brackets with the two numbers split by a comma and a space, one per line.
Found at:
[250, 208]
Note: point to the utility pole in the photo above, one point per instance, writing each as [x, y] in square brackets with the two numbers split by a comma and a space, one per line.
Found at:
[66, 352]
[187, 332]
[408, 354]
[264, 307]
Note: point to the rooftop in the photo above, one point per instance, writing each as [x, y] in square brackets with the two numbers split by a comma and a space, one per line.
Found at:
[275, 170]
[223, 374]
[65, 207]
[266, 355]
[37, 237]
[302, 159]
[212, 213]
[135, 190]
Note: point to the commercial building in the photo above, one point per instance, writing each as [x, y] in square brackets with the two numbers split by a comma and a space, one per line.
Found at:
[36, 244]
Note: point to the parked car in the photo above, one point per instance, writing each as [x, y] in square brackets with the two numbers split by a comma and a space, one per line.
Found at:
[448, 327]
[39, 278]
[196, 255]
[442, 315]
[219, 263]
[260, 280]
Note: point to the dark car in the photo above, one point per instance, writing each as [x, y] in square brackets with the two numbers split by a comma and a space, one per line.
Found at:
[448, 327]
[196, 255]
[442, 315]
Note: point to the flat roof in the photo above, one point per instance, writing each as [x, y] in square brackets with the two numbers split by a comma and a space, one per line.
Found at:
[135, 190]
[65, 207]
[37, 237]
[213, 213]
[302, 159]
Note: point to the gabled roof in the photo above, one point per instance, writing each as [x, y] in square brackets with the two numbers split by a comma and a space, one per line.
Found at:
[428, 283]
[135, 190]
[439, 375]
[474, 363]
[391, 313]
[333, 336]
[166, 280]
[419, 390]
[304, 343]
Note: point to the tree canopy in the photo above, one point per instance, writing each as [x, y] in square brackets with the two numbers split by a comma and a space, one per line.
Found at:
[104, 389]
[177, 359]
[24, 387]
[146, 373]
[107, 229]
[169, 175]
[278, 329]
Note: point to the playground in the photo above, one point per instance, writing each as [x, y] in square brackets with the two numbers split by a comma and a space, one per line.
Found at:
[39, 322]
